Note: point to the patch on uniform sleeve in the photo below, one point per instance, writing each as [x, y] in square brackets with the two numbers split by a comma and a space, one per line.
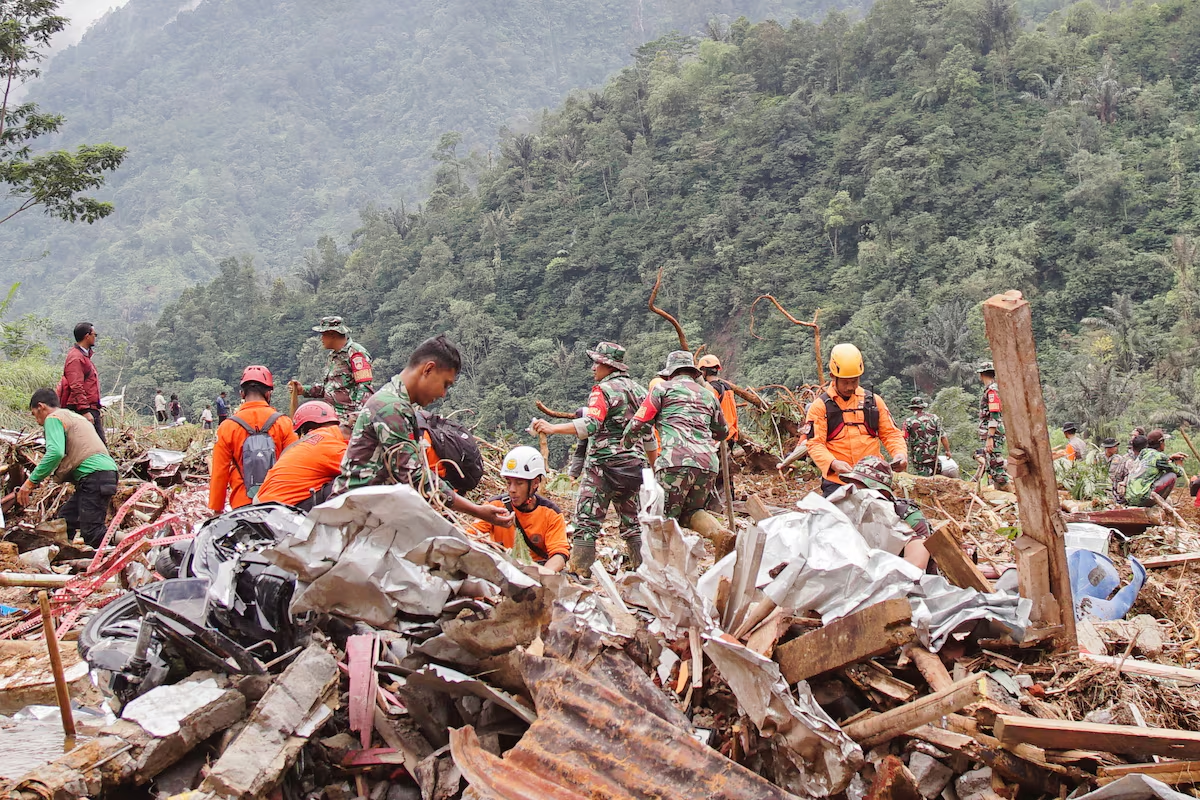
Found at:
[993, 400]
[360, 367]
[597, 408]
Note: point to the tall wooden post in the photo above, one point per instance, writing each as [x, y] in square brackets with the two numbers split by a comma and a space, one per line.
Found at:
[1010, 331]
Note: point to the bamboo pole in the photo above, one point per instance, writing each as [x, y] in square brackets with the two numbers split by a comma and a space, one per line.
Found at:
[60, 680]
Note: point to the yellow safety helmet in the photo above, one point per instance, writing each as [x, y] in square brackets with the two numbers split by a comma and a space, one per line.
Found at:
[709, 362]
[845, 361]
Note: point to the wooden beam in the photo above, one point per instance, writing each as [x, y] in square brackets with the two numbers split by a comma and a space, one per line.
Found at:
[1033, 581]
[1163, 562]
[873, 631]
[869, 675]
[756, 508]
[1009, 326]
[1149, 669]
[884, 727]
[954, 563]
[1169, 772]
[1126, 739]
[893, 781]
[931, 668]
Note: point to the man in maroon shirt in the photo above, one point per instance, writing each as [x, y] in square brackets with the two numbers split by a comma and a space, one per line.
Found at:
[79, 389]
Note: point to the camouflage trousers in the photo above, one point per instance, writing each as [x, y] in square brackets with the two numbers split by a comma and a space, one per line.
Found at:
[925, 469]
[597, 490]
[687, 490]
[995, 461]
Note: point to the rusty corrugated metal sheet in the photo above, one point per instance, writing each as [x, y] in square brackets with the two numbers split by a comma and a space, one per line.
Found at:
[593, 739]
[1126, 520]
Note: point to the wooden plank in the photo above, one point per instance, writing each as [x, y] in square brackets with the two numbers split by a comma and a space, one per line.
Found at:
[954, 563]
[1009, 326]
[869, 675]
[1126, 739]
[931, 668]
[890, 724]
[1169, 772]
[757, 509]
[1150, 669]
[873, 631]
[1033, 581]
[893, 781]
[1163, 562]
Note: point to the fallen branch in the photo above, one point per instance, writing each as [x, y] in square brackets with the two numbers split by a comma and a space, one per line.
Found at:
[549, 412]
[816, 328]
[683, 343]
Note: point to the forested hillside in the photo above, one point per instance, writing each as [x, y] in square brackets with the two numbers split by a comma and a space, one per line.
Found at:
[254, 127]
[893, 173]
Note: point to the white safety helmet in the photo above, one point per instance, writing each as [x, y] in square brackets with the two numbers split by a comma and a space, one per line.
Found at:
[523, 462]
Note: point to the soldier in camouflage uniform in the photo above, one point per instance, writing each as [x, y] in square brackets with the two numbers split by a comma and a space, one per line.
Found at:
[991, 426]
[347, 381]
[924, 433]
[690, 426]
[385, 447]
[612, 472]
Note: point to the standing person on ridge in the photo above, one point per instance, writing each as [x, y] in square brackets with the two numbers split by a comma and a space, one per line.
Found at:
[845, 423]
[79, 389]
[160, 406]
[690, 425]
[347, 382]
[222, 408]
[612, 472]
[991, 426]
[255, 420]
[924, 434]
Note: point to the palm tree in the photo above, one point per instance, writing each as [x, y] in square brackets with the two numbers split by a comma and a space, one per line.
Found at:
[1118, 322]
[943, 347]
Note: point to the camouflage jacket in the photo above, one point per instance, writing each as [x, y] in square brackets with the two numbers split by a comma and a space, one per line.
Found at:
[1145, 471]
[347, 382]
[989, 411]
[690, 424]
[923, 431]
[385, 446]
[612, 403]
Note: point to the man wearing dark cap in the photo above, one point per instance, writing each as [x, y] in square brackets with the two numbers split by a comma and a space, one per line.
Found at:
[1076, 448]
[1153, 472]
[347, 382]
[1118, 469]
[612, 472]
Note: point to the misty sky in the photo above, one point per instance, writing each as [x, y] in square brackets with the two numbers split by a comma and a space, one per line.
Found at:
[81, 13]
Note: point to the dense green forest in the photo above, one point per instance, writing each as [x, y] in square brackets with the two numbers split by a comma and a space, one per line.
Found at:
[893, 172]
[255, 127]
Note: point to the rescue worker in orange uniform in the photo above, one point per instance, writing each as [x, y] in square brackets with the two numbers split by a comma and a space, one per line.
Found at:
[255, 413]
[845, 424]
[710, 368]
[303, 474]
[538, 521]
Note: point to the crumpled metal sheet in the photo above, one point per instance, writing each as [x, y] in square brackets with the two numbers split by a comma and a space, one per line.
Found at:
[825, 565]
[874, 516]
[371, 552]
[940, 609]
[822, 758]
[590, 733]
[666, 582]
[1135, 787]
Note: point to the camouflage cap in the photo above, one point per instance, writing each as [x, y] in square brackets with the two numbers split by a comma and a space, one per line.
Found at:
[985, 366]
[679, 360]
[918, 402]
[611, 354]
[872, 472]
[335, 324]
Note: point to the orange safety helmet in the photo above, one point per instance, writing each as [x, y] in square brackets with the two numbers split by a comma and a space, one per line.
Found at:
[315, 412]
[258, 374]
[709, 362]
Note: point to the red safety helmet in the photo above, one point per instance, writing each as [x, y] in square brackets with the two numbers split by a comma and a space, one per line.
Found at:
[315, 412]
[259, 374]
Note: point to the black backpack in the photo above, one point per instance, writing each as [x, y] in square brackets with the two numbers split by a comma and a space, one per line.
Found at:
[454, 444]
[258, 453]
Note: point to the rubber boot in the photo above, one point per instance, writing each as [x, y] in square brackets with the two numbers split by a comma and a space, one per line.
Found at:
[583, 555]
[707, 526]
[634, 545]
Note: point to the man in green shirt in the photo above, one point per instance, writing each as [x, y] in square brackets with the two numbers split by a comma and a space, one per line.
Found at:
[74, 453]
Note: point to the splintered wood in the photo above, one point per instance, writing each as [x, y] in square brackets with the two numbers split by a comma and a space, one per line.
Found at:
[1010, 331]
[877, 629]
